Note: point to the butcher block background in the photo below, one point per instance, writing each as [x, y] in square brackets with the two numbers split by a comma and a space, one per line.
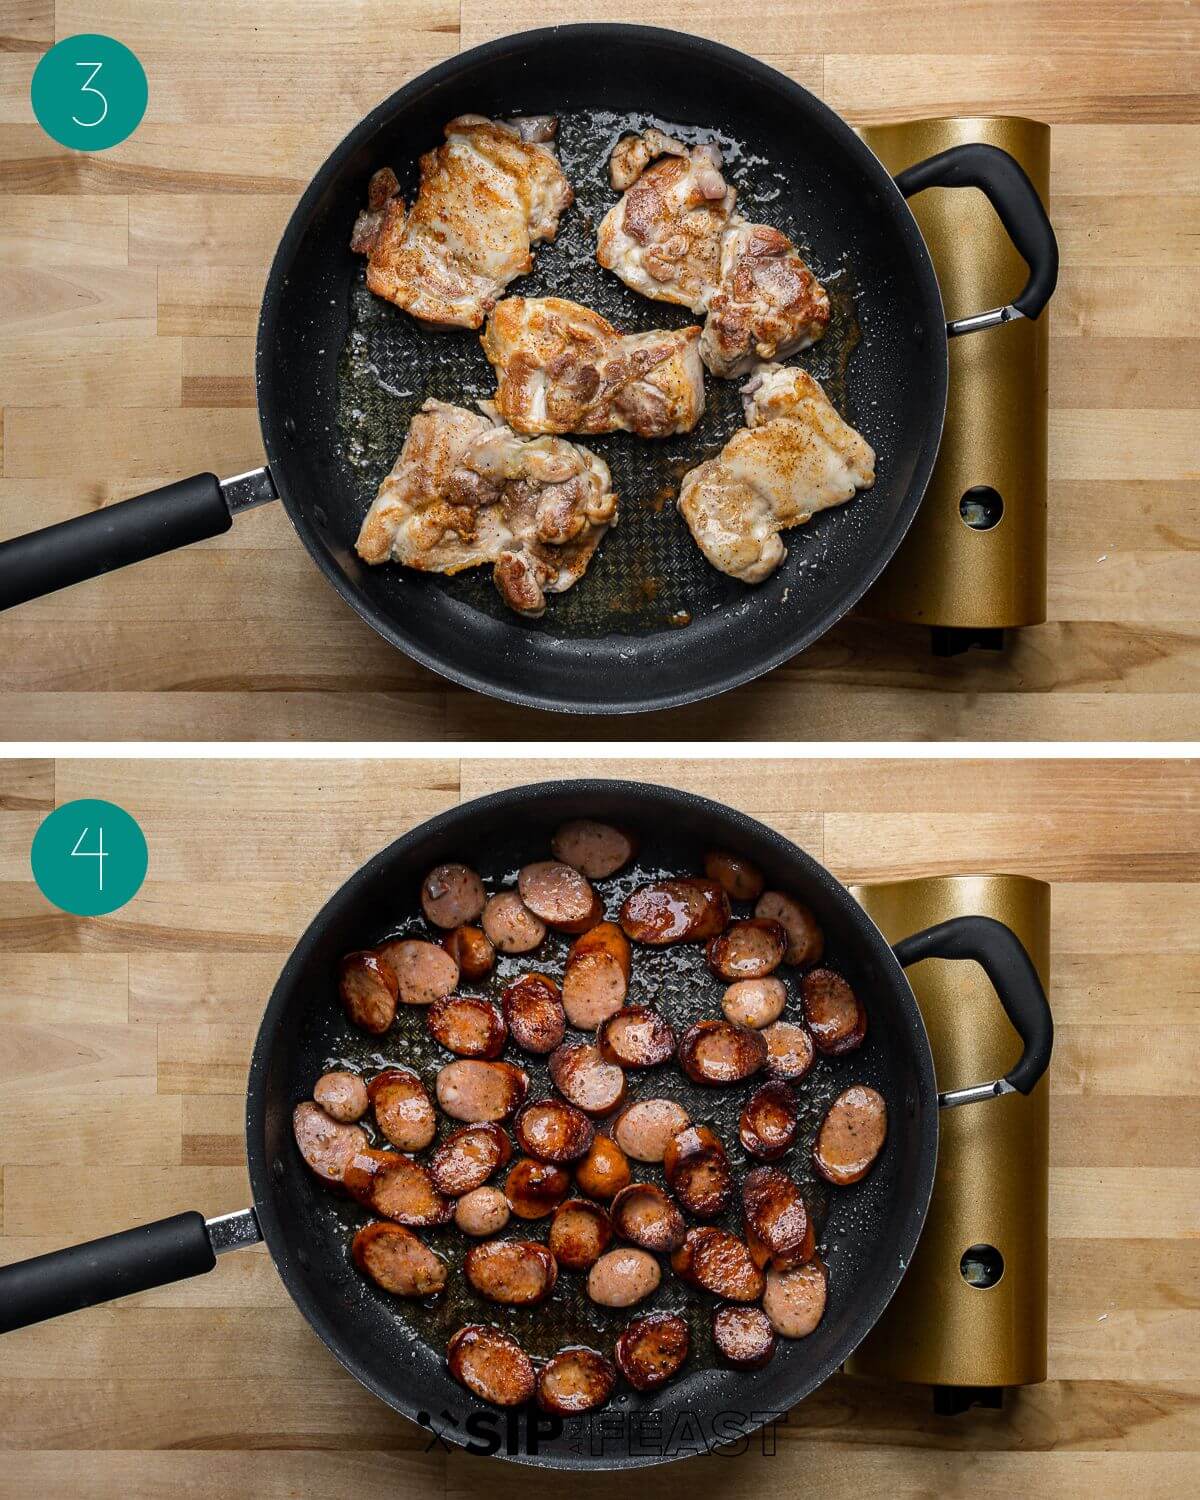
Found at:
[124, 1044]
[130, 282]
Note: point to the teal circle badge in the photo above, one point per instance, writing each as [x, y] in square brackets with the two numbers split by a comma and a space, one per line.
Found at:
[89, 92]
[89, 857]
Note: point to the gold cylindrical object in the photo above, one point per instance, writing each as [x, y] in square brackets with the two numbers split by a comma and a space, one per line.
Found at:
[992, 1177]
[946, 573]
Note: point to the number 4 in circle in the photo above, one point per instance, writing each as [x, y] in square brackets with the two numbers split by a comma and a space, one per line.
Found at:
[97, 854]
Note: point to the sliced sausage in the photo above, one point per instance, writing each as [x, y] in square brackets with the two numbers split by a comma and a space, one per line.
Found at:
[480, 1091]
[596, 850]
[533, 1009]
[510, 926]
[851, 1135]
[515, 1272]
[777, 1222]
[794, 1301]
[741, 880]
[698, 1172]
[651, 1349]
[644, 1129]
[636, 1037]
[584, 1079]
[559, 896]
[596, 977]
[754, 1002]
[675, 911]
[451, 895]
[718, 1052]
[468, 1157]
[604, 1171]
[790, 1050]
[718, 1262]
[553, 1131]
[743, 1336]
[747, 950]
[343, 1096]
[623, 1277]
[535, 1188]
[395, 1258]
[580, 1234]
[482, 1211]
[575, 1380]
[806, 941]
[467, 1025]
[368, 986]
[396, 1187]
[491, 1365]
[327, 1145]
[472, 950]
[835, 1015]
[424, 971]
[769, 1121]
[403, 1110]
[644, 1215]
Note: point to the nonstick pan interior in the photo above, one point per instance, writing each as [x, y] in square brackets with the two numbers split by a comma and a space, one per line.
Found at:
[397, 1348]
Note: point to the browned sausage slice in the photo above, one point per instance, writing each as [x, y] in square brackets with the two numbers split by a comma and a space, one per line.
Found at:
[510, 926]
[794, 1301]
[575, 1380]
[472, 950]
[553, 1131]
[395, 1258]
[491, 1365]
[742, 880]
[584, 1079]
[790, 1050]
[851, 1135]
[533, 1009]
[343, 1096]
[451, 895]
[644, 1215]
[604, 1171]
[743, 1336]
[697, 1170]
[769, 1121]
[754, 1002]
[806, 941]
[747, 950]
[636, 1037]
[484, 1210]
[396, 1187]
[424, 971]
[776, 1218]
[558, 895]
[623, 1277]
[718, 1262]
[651, 1350]
[835, 1015]
[718, 1052]
[596, 850]
[327, 1145]
[596, 977]
[675, 911]
[403, 1110]
[580, 1234]
[535, 1188]
[467, 1025]
[368, 986]
[467, 1158]
[515, 1272]
[645, 1128]
[481, 1091]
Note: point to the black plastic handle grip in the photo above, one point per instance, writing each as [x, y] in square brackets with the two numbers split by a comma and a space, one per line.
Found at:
[1002, 956]
[82, 1275]
[1015, 199]
[103, 540]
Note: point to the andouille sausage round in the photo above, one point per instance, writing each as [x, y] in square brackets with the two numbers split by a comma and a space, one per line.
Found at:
[482, 1211]
[675, 911]
[794, 1301]
[581, 1075]
[790, 1050]
[532, 1007]
[491, 1365]
[368, 986]
[424, 971]
[397, 1260]
[328, 1146]
[553, 1131]
[742, 881]
[468, 1157]
[645, 1216]
[579, 1234]
[342, 1095]
[636, 1037]
[743, 1336]
[517, 1273]
[769, 1121]
[752, 949]
[510, 926]
[644, 1129]
[754, 1002]
[652, 1349]
[535, 1188]
[472, 950]
[404, 1111]
[396, 1187]
[596, 976]
[575, 1380]
[452, 894]
[835, 1015]
[468, 1026]
[777, 1221]
[806, 941]
[604, 1171]
[851, 1135]
[559, 895]
[718, 1052]
[718, 1262]
[596, 850]
[697, 1170]
[477, 1092]
[623, 1277]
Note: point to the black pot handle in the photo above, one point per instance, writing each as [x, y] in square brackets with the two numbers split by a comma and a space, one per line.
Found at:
[1003, 958]
[130, 531]
[1015, 199]
[118, 1265]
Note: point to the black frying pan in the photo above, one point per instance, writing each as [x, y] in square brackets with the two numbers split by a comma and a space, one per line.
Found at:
[397, 1349]
[340, 375]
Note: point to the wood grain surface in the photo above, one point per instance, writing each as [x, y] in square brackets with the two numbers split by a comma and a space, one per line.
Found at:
[131, 280]
[123, 1050]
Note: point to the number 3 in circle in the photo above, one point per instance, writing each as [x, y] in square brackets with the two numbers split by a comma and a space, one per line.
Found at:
[89, 92]
[87, 88]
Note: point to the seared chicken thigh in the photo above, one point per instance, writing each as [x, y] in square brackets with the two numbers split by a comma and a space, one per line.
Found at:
[563, 368]
[489, 192]
[466, 490]
[794, 457]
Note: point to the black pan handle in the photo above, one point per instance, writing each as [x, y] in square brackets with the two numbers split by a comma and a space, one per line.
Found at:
[130, 531]
[118, 1265]
[1015, 199]
[1002, 956]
